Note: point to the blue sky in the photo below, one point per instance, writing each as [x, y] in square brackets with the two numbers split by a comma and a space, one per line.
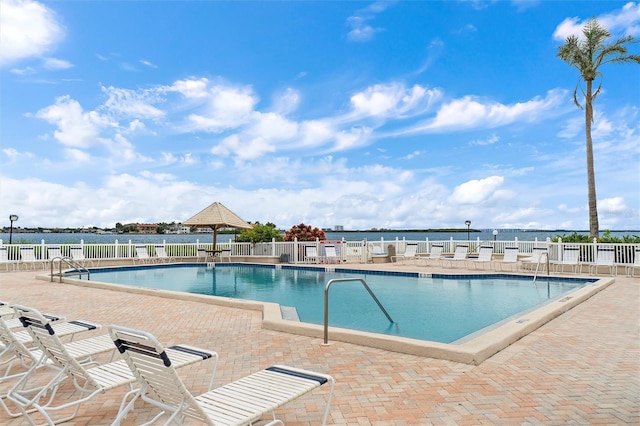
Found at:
[360, 114]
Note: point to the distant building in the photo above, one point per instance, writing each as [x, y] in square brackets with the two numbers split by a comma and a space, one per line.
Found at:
[338, 228]
[147, 228]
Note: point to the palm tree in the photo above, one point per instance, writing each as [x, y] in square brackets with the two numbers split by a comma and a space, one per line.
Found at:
[588, 54]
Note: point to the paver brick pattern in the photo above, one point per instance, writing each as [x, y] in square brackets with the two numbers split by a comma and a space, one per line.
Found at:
[581, 368]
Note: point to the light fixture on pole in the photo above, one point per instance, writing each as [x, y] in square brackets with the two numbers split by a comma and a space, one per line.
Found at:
[468, 223]
[12, 218]
[495, 234]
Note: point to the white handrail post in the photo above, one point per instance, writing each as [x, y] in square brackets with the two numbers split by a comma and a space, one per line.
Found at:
[117, 253]
[295, 250]
[42, 253]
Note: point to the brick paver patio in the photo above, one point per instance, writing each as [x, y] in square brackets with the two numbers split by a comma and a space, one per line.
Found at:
[581, 368]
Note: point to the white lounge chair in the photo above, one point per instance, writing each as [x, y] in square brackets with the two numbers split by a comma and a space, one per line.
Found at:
[330, 254]
[142, 255]
[485, 256]
[77, 254]
[605, 258]
[631, 269]
[435, 254]
[539, 256]
[570, 258]
[4, 259]
[17, 356]
[410, 252]
[459, 256]
[311, 254]
[510, 259]
[29, 394]
[28, 258]
[161, 254]
[240, 402]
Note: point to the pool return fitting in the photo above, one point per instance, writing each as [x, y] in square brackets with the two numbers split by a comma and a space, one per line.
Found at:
[326, 303]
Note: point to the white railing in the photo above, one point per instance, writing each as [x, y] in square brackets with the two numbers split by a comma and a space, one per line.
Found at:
[294, 251]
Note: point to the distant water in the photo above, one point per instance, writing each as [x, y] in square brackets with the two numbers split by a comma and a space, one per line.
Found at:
[75, 238]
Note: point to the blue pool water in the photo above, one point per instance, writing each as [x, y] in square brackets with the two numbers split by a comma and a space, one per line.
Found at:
[441, 309]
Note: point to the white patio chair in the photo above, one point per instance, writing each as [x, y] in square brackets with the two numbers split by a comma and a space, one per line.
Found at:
[485, 256]
[459, 256]
[435, 254]
[330, 254]
[509, 259]
[631, 269]
[311, 254]
[570, 257]
[539, 256]
[77, 254]
[605, 258]
[4, 259]
[54, 254]
[17, 356]
[30, 395]
[241, 402]
[142, 255]
[409, 253]
[161, 254]
[28, 258]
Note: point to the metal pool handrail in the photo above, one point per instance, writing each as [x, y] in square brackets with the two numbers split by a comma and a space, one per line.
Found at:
[326, 303]
[79, 269]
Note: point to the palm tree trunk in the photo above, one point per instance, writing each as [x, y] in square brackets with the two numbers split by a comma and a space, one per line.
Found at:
[591, 176]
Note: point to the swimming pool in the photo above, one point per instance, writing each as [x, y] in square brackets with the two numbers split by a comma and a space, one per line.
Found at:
[438, 308]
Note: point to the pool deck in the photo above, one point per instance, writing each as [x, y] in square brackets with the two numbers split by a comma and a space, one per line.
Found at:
[582, 367]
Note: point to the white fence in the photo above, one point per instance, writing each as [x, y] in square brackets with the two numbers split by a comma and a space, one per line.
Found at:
[314, 251]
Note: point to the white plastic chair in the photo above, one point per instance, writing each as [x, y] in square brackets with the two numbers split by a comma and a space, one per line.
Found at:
[77, 254]
[570, 257]
[510, 259]
[29, 259]
[4, 259]
[330, 254]
[30, 394]
[410, 252]
[630, 269]
[240, 402]
[605, 258]
[142, 255]
[459, 256]
[311, 254]
[435, 254]
[485, 256]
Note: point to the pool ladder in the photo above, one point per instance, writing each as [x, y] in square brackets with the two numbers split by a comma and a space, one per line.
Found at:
[78, 268]
[326, 303]
[546, 256]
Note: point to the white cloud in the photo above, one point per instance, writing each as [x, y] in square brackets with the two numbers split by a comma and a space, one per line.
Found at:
[393, 100]
[226, 107]
[56, 64]
[489, 141]
[476, 191]
[624, 21]
[148, 63]
[76, 128]
[131, 103]
[28, 30]
[361, 31]
[14, 155]
[469, 113]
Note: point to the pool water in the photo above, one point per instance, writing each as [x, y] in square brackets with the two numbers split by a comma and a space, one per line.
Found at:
[441, 309]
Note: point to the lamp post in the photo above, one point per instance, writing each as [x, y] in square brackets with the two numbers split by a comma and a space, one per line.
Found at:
[495, 234]
[468, 223]
[12, 218]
